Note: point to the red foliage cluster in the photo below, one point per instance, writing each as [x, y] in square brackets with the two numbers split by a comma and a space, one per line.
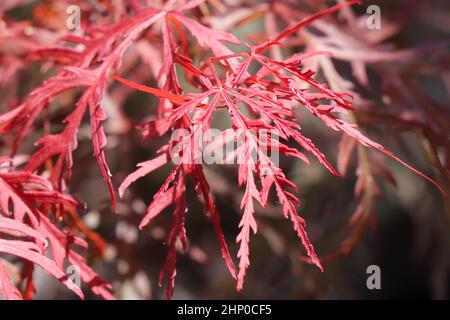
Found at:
[259, 92]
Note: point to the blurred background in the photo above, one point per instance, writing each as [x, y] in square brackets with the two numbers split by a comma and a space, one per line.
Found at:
[401, 101]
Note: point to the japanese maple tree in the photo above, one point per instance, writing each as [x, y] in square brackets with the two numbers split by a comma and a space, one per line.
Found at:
[199, 73]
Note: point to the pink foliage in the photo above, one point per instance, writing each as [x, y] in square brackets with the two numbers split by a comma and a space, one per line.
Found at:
[262, 99]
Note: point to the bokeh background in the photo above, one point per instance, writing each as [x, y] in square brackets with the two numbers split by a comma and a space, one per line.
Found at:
[408, 236]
